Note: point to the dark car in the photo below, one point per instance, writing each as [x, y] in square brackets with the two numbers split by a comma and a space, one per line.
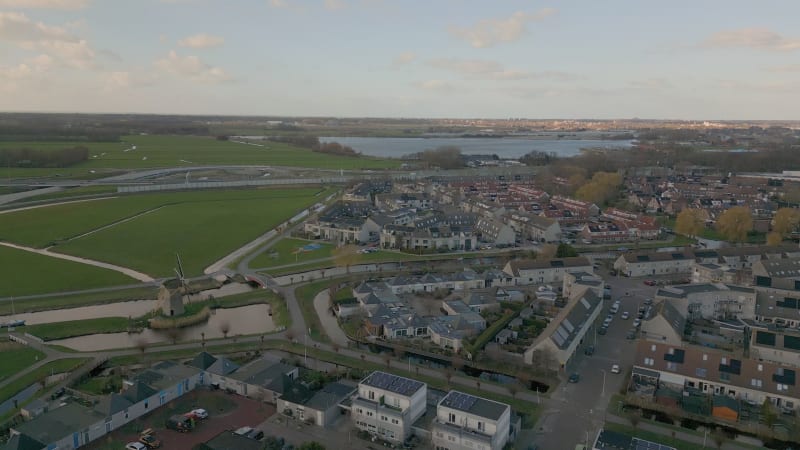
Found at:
[574, 377]
[631, 335]
[602, 330]
[589, 350]
[650, 282]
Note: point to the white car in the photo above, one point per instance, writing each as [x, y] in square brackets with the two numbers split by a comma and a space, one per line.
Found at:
[625, 315]
[135, 446]
[615, 368]
[200, 413]
[637, 322]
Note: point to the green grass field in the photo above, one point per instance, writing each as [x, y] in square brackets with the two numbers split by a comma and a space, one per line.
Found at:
[286, 251]
[187, 151]
[38, 375]
[202, 226]
[16, 357]
[73, 328]
[38, 274]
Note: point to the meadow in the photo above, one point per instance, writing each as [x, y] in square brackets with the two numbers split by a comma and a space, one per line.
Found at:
[37, 274]
[200, 226]
[146, 151]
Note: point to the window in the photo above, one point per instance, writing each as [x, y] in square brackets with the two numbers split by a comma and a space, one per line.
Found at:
[451, 438]
[146, 404]
[649, 361]
[369, 414]
[700, 372]
[672, 366]
[724, 361]
[384, 418]
[371, 395]
[783, 387]
[480, 426]
[705, 357]
[755, 382]
[451, 418]
[395, 421]
[760, 367]
[724, 376]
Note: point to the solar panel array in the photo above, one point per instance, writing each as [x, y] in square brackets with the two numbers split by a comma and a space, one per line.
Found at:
[638, 444]
[459, 401]
[393, 383]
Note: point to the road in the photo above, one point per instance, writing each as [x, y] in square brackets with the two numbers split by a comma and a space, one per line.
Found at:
[575, 412]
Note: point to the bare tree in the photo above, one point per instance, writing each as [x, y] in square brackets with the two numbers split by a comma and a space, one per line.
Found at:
[141, 345]
[719, 437]
[290, 335]
[478, 384]
[513, 388]
[225, 328]
[634, 418]
[174, 334]
[388, 360]
[524, 378]
[335, 347]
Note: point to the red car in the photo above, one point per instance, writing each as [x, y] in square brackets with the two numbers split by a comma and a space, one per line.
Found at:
[650, 282]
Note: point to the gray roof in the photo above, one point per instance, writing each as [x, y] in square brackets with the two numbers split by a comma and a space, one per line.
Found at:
[673, 317]
[264, 372]
[782, 268]
[22, 442]
[112, 404]
[471, 404]
[684, 290]
[777, 305]
[330, 395]
[577, 317]
[393, 383]
[228, 440]
[532, 264]
[60, 422]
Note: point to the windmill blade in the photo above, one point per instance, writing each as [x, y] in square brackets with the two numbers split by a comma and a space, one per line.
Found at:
[180, 266]
[178, 273]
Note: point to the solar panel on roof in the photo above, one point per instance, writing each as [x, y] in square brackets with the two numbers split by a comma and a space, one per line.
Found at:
[556, 263]
[568, 325]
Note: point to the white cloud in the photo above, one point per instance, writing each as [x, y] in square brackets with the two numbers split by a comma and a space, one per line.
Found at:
[44, 4]
[483, 69]
[758, 38]
[490, 32]
[783, 69]
[77, 55]
[404, 58]
[11, 77]
[192, 68]
[334, 4]
[201, 40]
[435, 85]
[17, 27]
[650, 83]
[278, 3]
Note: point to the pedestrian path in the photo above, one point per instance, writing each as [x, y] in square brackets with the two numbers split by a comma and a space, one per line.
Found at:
[679, 435]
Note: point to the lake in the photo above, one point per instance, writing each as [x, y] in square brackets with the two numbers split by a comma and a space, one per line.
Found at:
[251, 319]
[506, 147]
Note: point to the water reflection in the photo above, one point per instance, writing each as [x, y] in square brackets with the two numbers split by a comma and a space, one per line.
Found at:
[124, 309]
[253, 319]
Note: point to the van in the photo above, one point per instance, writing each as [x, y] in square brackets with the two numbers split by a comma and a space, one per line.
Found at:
[182, 424]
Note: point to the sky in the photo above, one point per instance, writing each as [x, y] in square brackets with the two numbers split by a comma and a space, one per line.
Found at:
[699, 59]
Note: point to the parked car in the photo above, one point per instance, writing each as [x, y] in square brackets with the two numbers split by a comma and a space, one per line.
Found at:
[615, 368]
[200, 413]
[149, 439]
[648, 301]
[625, 315]
[637, 322]
[589, 350]
[182, 424]
[574, 377]
[135, 446]
[650, 282]
[602, 330]
[631, 335]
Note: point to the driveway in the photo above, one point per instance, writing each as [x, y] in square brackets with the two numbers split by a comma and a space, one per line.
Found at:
[328, 320]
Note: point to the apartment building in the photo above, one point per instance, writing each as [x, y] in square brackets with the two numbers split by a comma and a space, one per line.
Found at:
[387, 405]
[467, 422]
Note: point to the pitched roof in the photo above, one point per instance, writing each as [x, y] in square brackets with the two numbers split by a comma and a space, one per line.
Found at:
[531, 264]
[203, 360]
[22, 441]
[138, 392]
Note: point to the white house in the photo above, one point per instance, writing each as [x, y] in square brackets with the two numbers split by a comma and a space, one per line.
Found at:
[387, 405]
[467, 422]
[532, 271]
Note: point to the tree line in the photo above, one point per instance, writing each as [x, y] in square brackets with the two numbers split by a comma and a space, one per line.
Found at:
[28, 157]
[313, 143]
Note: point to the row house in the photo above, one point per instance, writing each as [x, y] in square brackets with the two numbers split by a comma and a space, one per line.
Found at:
[495, 232]
[640, 264]
[639, 226]
[71, 425]
[534, 227]
[391, 202]
[530, 271]
[775, 344]
[711, 372]
[432, 238]
[579, 208]
[566, 332]
[605, 232]
[711, 301]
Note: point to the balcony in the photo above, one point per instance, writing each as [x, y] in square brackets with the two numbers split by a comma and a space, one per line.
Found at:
[463, 432]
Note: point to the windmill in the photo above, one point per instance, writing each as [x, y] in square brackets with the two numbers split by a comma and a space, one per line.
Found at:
[172, 292]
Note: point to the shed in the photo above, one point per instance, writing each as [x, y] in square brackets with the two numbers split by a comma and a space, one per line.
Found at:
[725, 407]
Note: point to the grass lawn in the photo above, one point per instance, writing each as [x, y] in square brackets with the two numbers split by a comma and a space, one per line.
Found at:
[305, 298]
[38, 375]
[290, 251]
[77, 300]
[100, 385]
[39, 274]
[16, 357]
[202, 226]
[188, 151]
[73, 328]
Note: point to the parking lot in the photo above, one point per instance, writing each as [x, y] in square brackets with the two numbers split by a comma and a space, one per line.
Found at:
[226, 412]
